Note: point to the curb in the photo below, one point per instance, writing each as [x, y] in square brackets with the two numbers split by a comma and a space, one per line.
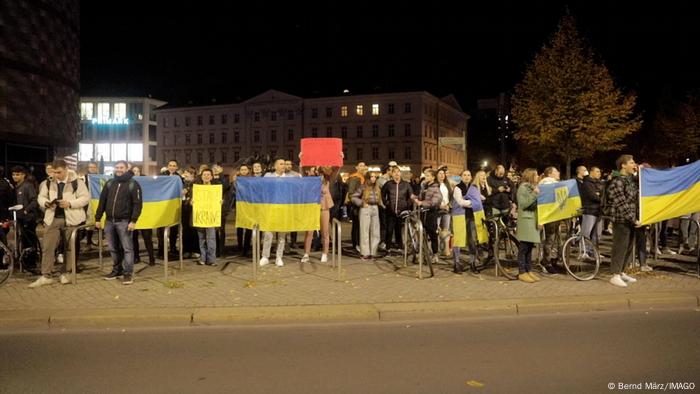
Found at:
[157, 317]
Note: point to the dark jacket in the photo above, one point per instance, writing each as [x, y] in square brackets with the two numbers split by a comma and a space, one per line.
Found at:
[338, 191]
[27, 197]
[397, 196]
[591, 191]
[120, 199]
[431, 196]
[500, 200]
[7, 198]
[623, 196]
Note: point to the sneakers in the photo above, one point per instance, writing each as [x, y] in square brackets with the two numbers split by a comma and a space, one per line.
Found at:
[366, 258]
[646, 268]
[667, 250]
[128, 279]
[65, 279]
[196, 255]
[358, 249]
[525, 278]
[59, 258]
[534, 277]
[324, 258]
[200, 262]
[617, 281]
[627, 278]
[40, 282]
[279, 262]
[264, 261]
[113, 275]
[305, 259]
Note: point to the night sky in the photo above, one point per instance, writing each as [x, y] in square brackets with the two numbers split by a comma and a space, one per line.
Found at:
[201, 50]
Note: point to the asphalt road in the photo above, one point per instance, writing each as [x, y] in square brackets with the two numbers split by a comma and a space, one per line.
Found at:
[578, 353]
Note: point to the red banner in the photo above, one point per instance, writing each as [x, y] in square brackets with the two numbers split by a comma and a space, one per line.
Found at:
[322, 152]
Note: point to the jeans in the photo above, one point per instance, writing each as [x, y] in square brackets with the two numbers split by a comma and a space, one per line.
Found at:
[622, 245]
[369, 230]
[430, 226]
[525, 256]
[551, 242]
[592, 228]
[207, 244]
[393, 230]
[267, 244]
[121, 246]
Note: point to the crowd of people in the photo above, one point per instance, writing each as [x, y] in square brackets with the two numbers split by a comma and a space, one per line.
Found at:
[371, 201]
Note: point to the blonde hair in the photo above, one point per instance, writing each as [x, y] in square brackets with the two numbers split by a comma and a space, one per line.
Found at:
[529, 176]
[478, 182]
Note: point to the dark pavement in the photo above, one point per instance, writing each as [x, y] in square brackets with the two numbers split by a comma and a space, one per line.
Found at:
[573, 353]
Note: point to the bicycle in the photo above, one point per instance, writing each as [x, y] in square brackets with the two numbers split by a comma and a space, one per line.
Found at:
[413, 228]
[579, 254]
[505, 247]
[15, 251]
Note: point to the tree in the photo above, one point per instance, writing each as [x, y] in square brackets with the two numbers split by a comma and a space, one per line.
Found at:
[567, 105]
[677, 131]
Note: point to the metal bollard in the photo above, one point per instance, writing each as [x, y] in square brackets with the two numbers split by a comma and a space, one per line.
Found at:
[256, 250]
[420, 250]
[99, 248]
[74, 254]
[405, 242]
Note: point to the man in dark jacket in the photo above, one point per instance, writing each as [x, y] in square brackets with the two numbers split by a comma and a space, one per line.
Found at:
[121, 201]
[501, 199]
[396, 195]
[591, 192]
[27, 197]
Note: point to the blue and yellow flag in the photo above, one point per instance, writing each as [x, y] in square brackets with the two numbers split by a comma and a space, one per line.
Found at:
[474, 195]
[279, 204]
[558, 201]
[161, 196]
[667, 194]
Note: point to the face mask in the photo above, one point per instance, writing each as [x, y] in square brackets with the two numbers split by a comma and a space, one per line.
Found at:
[585, 173]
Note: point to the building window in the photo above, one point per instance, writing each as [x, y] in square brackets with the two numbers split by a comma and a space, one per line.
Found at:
[236, 118]
[344, 111]
[344, 132]
[375, 109]
[102, 112]
[224, 118]
[211, 120]
[236, 137]
[119, 111]
[175, 137]
[86, 112]
[188, 157]
[290, 154]
[223, 156]
[176, 123]
[375, 130]
[256, 116]
[329, 132]
[314, 132]
[290, 135]
[314, 113]
[152, 152]
[211, 138]
[407, 153]
[187, 121]
[165, 123]
[199, 138]
[329, 112]
[212, 157]
[407, 108]
[359, 110]
[391, 130]
[188, 140]
[199, 120]
[407, 130]
[375, 153]
[290, 115]
[273, 135]
[273, 115]
[392, 154]
[359, 131]
[236, 155]
[345, 153]
[256, 136]
[359, 153]
[390, 110]
[224, 138]
[200, 157]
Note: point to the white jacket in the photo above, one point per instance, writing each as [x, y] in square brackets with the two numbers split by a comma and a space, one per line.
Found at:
[78, 199]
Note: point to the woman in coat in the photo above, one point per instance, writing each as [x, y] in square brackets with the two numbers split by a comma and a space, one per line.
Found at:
[527, 232]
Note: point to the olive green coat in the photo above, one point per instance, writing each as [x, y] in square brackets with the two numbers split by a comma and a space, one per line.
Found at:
[527, 214]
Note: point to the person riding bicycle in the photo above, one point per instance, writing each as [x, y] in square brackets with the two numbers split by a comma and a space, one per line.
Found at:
[431, 199]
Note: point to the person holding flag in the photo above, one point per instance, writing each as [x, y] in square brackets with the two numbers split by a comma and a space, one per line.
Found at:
[623, 194]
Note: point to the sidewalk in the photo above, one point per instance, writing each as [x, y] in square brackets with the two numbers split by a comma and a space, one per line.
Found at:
[367, 291]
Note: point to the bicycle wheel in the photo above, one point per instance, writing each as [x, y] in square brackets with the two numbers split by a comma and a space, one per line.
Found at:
[506, 254]
[410, 242]
[6, 263]
[581, 258]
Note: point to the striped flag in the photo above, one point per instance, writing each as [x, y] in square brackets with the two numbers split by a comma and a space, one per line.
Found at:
[667, 194]
[558, 201]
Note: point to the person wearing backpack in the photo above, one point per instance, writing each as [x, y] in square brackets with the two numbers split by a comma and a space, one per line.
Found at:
[121, 201]
[63, 199]
[621, 204]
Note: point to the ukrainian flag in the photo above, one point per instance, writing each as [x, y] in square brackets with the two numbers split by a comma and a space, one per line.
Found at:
[558, 201]
[161, 196]
[279, 204]
[667, 194]
[482, 234]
